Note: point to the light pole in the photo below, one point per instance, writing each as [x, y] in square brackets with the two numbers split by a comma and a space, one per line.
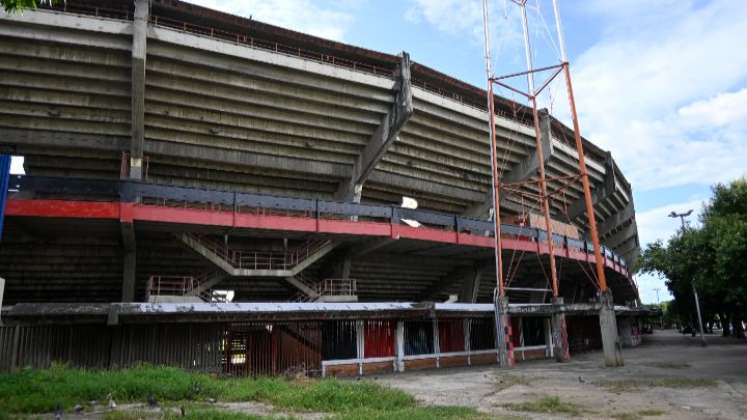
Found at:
[682, 216]
[661, 321]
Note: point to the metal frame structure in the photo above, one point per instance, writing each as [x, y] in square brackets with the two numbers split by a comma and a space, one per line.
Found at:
[531, 95]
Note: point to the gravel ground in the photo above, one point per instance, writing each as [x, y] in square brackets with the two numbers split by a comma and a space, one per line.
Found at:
[669, 376]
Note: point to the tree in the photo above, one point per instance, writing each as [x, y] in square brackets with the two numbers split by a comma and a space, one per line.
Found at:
[712, 256]
[12, 6]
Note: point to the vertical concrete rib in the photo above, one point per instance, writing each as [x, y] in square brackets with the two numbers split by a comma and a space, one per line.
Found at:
[521, 171]
[129, 262]
[139, 41]
[387, 132]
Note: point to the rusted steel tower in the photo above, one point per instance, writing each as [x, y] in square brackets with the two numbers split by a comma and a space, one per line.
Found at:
[607, 321]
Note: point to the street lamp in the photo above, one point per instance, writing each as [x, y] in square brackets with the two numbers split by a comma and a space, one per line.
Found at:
[682, 216]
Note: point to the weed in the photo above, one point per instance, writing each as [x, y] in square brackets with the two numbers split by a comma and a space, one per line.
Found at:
[651, 413]
[628, 385]
[637, 415]
[506, 381]
[668, 365]
[550, 404]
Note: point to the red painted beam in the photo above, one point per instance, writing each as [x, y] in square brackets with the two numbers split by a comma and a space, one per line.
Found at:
[62, 209]
[129, 212]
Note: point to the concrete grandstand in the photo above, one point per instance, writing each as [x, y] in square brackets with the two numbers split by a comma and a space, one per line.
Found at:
[177, 157]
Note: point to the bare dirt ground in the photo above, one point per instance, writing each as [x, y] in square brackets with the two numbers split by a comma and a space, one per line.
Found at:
[669, 376]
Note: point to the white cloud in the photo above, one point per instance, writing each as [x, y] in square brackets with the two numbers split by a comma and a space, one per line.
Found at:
[655, 224]
[650, 88]
[722, 109]
[632, 84]
[330, 21]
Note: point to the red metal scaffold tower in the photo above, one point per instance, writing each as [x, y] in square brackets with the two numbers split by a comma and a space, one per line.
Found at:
[607, 320]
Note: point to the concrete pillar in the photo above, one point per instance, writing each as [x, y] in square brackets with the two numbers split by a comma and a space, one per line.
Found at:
[129, 276]
[129, 261]
[436, 343]
[2, 292]
[502, 326]
[399, 346]
[16, 344]
[470, 286]
[559, 332]
[608, 326]
[549, 346]
[360, 344]
[139, 39]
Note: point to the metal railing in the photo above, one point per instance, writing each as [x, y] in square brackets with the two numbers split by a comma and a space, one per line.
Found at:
[262, 259]
[169, 286]
[337, 287]
[133, 191]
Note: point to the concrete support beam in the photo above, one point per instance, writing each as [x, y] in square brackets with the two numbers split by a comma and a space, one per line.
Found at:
[521, 171]
[129, 262]
[502, 323]
[561, 351]
[623, 235]
[608, 325]
[459, 275]
[2, 292]
[139, 41]
[600, 191]
[383, 137]
[369, 246]
[470, 286]
[617, 219]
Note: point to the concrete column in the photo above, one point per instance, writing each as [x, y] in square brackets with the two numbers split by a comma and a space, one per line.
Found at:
[549, 351]
[502, 324]
[360, 344]
[399, 345]
[16, 343]
[2, 292]
[139, 39]
[436, 343]
[129, 261]
[559, 332]
[608, 326]
[470, 286]
[128, 276]
[386, 133]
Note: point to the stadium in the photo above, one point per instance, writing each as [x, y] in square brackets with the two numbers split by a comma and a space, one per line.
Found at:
[212, 192]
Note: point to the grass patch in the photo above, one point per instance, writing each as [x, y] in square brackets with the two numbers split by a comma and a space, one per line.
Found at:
[550, 405]
[638, 415]
[651, 413]
[506, 381]
[668, 365]
[42, 391]
[629, 385]
[206, 414]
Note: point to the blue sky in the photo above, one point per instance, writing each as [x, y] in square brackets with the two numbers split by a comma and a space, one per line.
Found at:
[662, 84]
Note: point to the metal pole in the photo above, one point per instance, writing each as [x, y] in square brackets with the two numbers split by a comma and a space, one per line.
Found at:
[695, 290]
[581, 158]
[607, 319]
[499, 300]
[495, 182]
[540, 155]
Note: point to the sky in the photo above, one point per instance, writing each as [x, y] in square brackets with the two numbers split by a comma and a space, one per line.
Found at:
[661, 84]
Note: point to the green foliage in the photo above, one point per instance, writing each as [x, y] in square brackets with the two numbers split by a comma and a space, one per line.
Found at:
[12, 6]
[40, 391]
[712, 256]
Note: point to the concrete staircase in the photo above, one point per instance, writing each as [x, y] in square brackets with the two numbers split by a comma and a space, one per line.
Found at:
[288, 265]
[242, 263]
[184, 289]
